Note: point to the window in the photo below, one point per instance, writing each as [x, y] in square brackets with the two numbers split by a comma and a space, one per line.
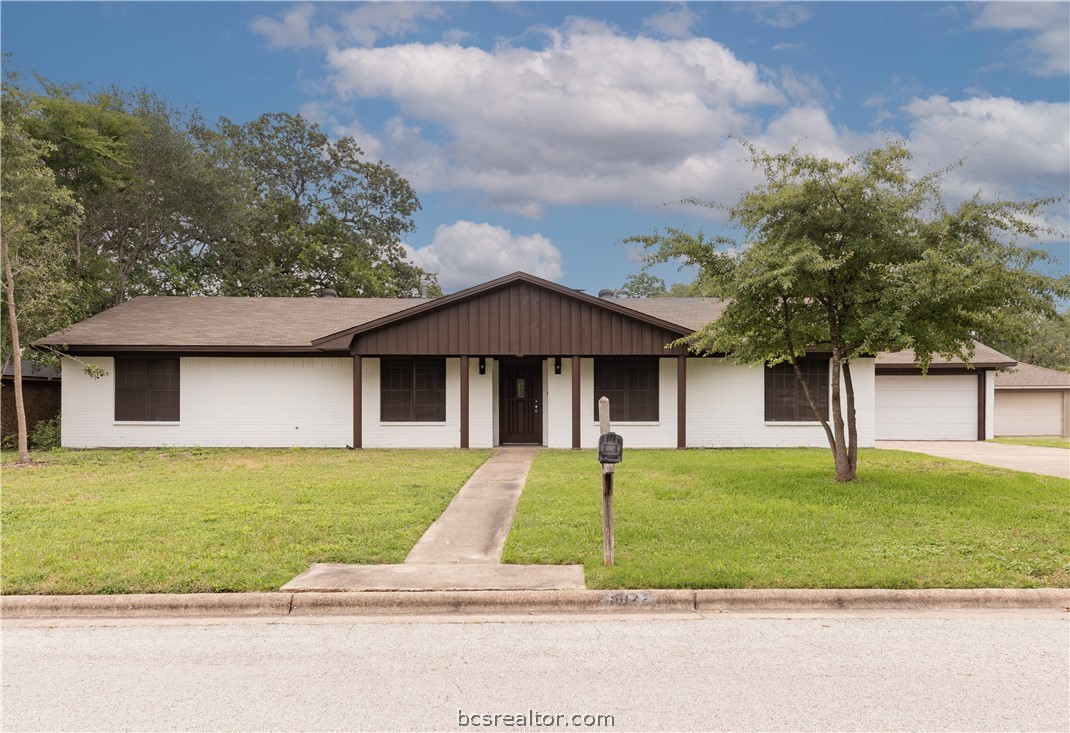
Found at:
[146, 390]
[412, 390]
[785, 400]
[631, 386]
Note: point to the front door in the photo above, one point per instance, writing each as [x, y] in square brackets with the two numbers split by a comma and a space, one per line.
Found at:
[521, 393]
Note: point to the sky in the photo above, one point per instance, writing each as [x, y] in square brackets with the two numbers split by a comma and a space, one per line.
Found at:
[539, 136]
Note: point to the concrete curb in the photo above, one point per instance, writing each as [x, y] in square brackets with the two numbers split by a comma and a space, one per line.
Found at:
[381, 603]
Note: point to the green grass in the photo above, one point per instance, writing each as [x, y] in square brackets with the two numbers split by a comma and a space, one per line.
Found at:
[1044, 441]
[181, 521]
[777, 519]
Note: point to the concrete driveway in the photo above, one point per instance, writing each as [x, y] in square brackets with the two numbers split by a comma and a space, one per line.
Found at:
[1031, 458]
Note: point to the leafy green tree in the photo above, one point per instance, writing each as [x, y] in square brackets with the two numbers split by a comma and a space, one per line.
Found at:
[88, 150]
[322, 215]
[1040, 340]
[642, 285]
[856, 257]
[37, 218]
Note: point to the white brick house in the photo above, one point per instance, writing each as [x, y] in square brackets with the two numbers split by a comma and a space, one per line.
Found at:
[515, 360]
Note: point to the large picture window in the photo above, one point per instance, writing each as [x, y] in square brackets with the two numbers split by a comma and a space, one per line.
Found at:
[785, 400]
[146, 390]
[412, 390]
[631, 386]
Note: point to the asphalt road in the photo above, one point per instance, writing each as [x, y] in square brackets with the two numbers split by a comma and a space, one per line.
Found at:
[962, 672]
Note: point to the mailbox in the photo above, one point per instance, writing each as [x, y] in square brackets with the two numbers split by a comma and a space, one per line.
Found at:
[610, 448]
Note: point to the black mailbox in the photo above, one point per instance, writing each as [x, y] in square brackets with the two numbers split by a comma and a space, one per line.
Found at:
[610, 448]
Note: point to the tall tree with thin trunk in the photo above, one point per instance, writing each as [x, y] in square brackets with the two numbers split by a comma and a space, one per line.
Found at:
[855, 257]
[37, 217]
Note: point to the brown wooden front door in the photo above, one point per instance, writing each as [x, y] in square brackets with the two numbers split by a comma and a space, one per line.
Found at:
[521, 397]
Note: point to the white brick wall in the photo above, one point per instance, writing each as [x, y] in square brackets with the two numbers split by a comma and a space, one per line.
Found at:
[296, 401]
[237, 401]
[726, 408]
[558, 406]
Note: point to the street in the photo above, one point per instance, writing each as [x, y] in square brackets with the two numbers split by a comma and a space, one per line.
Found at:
[962, 671]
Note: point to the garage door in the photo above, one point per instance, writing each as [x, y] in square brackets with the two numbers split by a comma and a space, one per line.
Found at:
[1029, 412]
[936, 407]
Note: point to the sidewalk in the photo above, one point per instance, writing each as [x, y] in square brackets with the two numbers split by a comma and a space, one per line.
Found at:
[462, 549]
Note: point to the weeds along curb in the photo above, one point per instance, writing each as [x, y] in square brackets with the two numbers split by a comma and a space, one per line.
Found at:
[379, 603]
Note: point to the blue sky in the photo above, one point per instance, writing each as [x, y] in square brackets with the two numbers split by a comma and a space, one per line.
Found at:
[539, 135]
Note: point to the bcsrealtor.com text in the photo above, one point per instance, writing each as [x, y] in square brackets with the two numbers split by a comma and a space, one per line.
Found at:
[534, 719]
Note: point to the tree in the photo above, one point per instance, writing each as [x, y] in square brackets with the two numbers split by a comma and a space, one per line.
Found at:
[37, 218]
[642, 285]
[323, 216]
[1034, 339]
[88, 150]
[856, 257]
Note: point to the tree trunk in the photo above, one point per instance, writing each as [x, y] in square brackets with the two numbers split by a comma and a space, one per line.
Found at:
[16, 354]
[844, 472]
[852, 423]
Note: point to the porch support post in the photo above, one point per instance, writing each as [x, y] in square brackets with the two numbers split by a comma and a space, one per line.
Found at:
[982, 395]
[681, 401]
[358, 410]
[464, 401]
[575, 403]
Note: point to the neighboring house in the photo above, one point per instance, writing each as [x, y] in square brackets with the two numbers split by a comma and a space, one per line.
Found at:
[515, 360]
[1032, 400]
[40, 394]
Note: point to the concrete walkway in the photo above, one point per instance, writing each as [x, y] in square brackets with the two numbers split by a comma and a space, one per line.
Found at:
[475, 525]
[462, 549]
[1030, 458]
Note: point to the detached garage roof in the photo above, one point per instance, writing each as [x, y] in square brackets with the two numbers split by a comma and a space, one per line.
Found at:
[1031, 376]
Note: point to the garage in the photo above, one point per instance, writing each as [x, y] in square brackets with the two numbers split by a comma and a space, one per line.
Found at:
[1029, 412]
[934, 407]
[1032, 400]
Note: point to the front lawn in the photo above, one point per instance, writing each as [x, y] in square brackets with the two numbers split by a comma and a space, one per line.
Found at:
[777, 519]
[1043, 441]
[181, 521]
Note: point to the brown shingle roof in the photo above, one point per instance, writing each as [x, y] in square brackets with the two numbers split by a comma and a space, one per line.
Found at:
[1031, 376]
[693, 313]
[983, 356]
[224, 322]
[229, 323]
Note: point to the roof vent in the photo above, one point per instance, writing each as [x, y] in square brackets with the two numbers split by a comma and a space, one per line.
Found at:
[606, 293]
[328, 293]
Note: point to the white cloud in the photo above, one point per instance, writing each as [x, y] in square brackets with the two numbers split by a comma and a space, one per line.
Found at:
[1009, 146]
[371, 21]
[1046, 27]
[592, 116]
[465, 253]
[673, 22]
[778, 14]
[790, 47]
[363, 25]
[292, 30]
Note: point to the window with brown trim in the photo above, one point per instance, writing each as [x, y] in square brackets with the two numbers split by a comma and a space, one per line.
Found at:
[412, 390]
[146, 390]
[785, 400]
[631, 386]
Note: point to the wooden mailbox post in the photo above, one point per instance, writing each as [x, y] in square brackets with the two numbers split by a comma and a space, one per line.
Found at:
[610, 449]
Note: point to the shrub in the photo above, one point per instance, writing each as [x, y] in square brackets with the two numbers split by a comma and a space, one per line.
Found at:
[46, 435]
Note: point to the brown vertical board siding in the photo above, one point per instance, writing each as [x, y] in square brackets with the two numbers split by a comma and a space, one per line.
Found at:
[982, 395]
[518, 320]
[681, 401]
[575, 403]
[358, 412]
[464, 401]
